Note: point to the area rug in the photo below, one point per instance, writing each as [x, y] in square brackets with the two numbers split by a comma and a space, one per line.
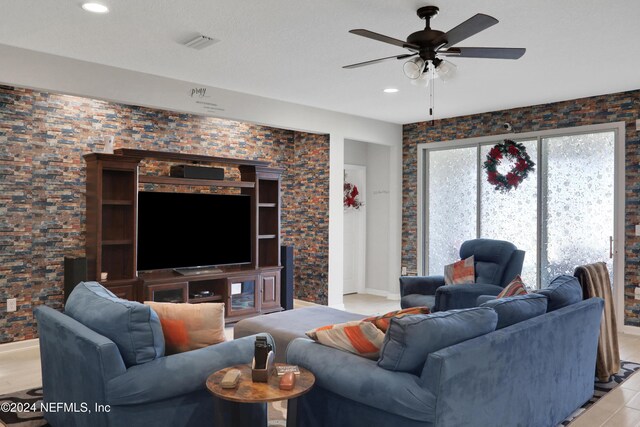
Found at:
[601, 389]
[277, 410]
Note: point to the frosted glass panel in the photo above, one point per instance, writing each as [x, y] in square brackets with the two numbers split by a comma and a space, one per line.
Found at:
[578, 202]
[452, 192]
[512, 216]
[575, 176]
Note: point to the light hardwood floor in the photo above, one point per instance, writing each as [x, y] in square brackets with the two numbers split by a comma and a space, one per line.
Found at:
[20, 370]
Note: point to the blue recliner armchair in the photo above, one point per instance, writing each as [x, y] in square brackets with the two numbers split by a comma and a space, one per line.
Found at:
[496, 263]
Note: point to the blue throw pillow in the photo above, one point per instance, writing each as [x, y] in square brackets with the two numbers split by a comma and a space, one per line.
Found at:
[410, 339]
[135, 328]
[515, 309]
[561, 292]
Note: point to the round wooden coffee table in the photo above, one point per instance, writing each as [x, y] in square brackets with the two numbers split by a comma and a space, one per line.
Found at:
[256, 392]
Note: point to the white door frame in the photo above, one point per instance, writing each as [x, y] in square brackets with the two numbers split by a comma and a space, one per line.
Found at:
[362, 243]
[619, 197]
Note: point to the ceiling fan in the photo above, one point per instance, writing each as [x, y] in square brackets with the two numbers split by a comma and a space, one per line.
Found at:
[428, 45]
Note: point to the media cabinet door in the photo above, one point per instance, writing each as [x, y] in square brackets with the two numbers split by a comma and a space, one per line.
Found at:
[243, 295]
[270, 290]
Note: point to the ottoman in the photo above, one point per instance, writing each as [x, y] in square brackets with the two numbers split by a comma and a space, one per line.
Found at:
[286, 326]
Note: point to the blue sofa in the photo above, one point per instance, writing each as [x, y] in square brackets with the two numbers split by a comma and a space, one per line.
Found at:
[497, 262]
[535, 370]
[129, 373]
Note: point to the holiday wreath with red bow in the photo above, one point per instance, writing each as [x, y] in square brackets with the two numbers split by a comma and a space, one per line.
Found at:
[508, 150]
[352, 196]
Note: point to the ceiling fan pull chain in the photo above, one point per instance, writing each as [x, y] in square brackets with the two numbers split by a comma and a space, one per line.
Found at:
[432, 95]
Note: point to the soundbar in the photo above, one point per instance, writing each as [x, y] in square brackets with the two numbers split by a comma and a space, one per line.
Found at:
[196, 172]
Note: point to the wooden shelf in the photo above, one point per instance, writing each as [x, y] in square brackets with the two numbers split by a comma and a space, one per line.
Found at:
[149, 179]
[205, 299]
[112, 187]
[117, 242]
[117, 202]
[118, 282]
[169, 275]
[164, 155]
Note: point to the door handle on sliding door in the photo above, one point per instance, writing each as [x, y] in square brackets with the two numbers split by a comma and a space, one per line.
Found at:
[610, 246]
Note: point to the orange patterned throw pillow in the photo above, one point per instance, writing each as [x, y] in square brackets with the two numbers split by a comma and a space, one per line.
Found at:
[357, 337]
[189, 326]
[460, 273]
[382, 322]
[516, 287]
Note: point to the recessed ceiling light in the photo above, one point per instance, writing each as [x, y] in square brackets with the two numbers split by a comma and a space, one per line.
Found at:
[95, 8]
[390, 90]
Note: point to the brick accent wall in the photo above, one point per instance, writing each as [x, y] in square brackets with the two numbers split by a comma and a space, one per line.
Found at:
[585, 111]
[42, 186]
[309, 196]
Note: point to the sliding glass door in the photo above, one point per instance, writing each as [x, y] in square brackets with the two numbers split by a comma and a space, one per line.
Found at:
[577, 202]
[452, 198]
[562, 215]
[512, 216]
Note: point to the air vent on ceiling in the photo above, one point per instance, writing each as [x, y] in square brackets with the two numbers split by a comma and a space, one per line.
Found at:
[201, 42]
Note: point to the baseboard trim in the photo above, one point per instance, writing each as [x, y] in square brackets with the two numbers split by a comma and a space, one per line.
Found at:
[19, 345]
[394, 297]
[376, 292]
[379, 293]
[298, 303]
[631, 330]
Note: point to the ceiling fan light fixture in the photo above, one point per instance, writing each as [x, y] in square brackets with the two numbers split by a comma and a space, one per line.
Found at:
[413, 68]
[446, 70]
[422, 81]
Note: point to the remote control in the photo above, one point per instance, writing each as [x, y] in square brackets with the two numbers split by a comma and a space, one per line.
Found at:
[230, 379]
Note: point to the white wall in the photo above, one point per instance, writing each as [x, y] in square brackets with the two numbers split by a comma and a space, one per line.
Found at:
[355, 152]
[378, 213]
[382, 260]
[30, 69]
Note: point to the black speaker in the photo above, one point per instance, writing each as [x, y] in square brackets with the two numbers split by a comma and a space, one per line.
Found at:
[286, 277]
[75, 271]
[196, 172]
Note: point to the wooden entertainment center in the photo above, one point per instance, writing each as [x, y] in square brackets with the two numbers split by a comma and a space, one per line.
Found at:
[113, 182]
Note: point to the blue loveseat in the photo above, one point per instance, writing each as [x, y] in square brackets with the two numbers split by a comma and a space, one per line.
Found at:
[535, 370]
[129, 375]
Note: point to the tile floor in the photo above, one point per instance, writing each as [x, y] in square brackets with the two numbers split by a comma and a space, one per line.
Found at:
[620, 407]
[20, 370]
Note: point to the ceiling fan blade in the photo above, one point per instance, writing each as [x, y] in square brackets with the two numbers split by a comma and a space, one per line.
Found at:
[484, 52]
[375, 61]
[468, 28]
[385, 39]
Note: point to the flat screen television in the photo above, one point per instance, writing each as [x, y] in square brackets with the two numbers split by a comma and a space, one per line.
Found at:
[178, 230]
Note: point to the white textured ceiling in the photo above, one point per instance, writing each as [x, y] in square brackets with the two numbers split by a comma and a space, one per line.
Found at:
[293, 50]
